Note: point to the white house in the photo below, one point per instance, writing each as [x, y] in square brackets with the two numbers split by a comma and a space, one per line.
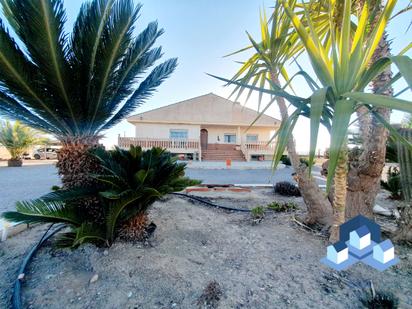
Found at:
[338, 252]
[207, 127]
[360, 238]
[384, 251]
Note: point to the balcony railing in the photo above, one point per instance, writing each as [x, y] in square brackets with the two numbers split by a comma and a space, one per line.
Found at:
[259, 146]
[170, 144]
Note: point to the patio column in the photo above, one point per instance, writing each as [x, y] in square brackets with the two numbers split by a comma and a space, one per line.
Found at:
[238, 137]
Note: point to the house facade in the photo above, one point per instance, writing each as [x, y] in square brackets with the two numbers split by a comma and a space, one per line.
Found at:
[208, 127]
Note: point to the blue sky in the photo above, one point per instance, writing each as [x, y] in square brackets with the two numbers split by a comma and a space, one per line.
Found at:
[200, 33]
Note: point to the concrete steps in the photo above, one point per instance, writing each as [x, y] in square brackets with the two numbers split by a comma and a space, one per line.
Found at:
[222, 152]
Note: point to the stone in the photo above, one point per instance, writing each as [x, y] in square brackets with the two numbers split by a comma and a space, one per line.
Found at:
[381, 211]
[94, 278]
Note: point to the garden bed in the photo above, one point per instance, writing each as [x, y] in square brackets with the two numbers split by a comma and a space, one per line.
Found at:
[271, 264]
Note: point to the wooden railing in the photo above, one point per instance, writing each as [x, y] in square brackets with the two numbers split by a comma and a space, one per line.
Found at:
[259, 146]
[170, 144]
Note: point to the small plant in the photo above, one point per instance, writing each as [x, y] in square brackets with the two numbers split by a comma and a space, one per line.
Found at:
[131, 182]
[285, 160]
[258, 212]
[286, 188]
[304, 161]
[380, 300]
[282, 207]
[210, 296]
[393, 183]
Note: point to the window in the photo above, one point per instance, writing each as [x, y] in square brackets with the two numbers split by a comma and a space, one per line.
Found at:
[178, 134]
[230, 138]
[252, 138]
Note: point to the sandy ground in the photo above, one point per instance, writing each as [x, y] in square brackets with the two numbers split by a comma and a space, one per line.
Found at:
[274, 264]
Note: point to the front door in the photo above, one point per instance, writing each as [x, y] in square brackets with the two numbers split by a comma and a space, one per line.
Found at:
[203, 138]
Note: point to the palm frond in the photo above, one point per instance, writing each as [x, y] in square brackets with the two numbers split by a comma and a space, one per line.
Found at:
[39, 211]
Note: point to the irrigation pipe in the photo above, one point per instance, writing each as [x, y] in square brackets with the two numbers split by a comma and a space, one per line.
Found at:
[16, 297]
[209, 203]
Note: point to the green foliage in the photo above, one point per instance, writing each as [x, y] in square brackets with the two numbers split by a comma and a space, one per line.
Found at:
[18, 138]
[405, 164]
[282, 207]
[285, 160]
[393, 183]
[258, 212]
[131, 182]
[304, 161]
[81, 83]
[342, 62]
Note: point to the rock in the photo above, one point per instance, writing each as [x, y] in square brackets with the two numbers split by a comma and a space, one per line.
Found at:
[396, 214]
[381, 211]
[94, 278]
[105, 252]
[129, 294]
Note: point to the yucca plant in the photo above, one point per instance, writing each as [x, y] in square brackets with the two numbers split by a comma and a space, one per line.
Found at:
[266, 67]
[344, 70]
[18, 139]
[132, 180]
[344, 67]
[75, 86]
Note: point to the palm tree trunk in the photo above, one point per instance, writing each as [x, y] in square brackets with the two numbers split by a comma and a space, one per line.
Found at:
[319, 207]
[365, 174]
[75, 164]
[339, 200]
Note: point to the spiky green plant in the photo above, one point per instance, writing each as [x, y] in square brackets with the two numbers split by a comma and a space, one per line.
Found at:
[75, 86]
[344, 66]
[131, 182]
[18, 139]
[405, 164]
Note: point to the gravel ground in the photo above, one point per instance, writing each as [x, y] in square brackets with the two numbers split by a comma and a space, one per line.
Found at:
[274, 264]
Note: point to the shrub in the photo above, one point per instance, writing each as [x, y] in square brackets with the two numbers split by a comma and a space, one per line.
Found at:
[393, 183]
[258, 212]
[304, 161]
[131, 182]
[281, 207]
[285, 160]
[286, 188]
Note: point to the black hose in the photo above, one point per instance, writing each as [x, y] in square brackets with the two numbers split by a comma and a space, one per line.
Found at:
[16, 297]
[211, 204]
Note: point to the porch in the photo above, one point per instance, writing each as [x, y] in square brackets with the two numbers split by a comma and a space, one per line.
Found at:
[200, 148]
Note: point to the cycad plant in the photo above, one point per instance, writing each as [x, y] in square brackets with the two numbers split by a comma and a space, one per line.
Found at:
[131, 181]
[75, 86]
[18, 139]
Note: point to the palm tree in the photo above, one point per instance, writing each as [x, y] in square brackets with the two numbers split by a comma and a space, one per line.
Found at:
[343, 64]
[79, 85]
[18, 139]
[267, 66]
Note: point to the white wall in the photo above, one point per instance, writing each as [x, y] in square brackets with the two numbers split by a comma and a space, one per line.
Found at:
[151, 130]
[264, 134]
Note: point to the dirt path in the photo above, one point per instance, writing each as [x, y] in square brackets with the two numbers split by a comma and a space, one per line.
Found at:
[274, 264]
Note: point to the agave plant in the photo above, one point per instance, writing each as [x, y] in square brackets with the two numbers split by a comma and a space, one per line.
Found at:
[132, 180]
[75, 86]
[18, 139]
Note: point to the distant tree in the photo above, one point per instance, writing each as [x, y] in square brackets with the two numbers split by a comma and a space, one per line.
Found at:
[18, 139]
